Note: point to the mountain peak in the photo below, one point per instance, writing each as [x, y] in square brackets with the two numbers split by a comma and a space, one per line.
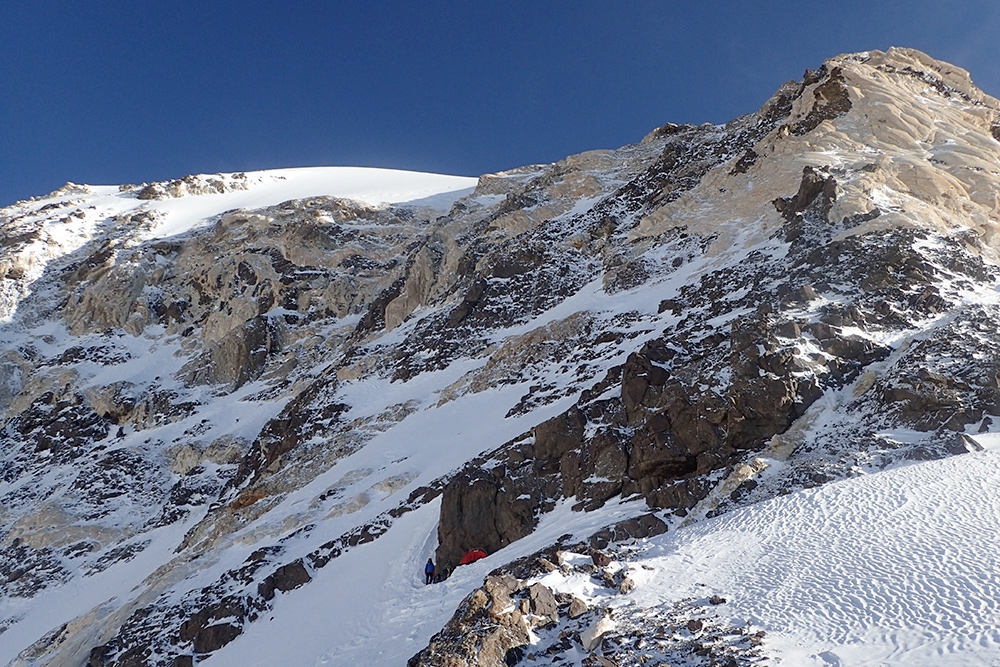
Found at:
[912, 137]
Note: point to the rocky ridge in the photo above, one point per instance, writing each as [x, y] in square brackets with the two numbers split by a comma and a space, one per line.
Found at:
[711, 317]
[538, 620]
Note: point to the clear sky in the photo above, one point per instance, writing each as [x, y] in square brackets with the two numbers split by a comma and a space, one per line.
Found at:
[125, 92]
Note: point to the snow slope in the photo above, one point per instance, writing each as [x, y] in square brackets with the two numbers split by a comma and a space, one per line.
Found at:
[899, 567]
[364, 184]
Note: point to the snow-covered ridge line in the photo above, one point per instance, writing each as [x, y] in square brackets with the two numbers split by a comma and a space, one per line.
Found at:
[362, 184]
[48, 228]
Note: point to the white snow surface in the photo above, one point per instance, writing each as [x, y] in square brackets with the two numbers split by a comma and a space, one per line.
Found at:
[899, 567]
[368, 185]
[364, 184]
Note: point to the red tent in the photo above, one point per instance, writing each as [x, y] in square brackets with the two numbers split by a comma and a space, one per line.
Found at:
[472, 556]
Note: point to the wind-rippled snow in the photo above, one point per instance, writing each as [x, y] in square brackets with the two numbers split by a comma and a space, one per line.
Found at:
[895, 568]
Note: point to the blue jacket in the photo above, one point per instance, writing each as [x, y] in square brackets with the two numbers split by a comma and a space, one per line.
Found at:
[429, 568]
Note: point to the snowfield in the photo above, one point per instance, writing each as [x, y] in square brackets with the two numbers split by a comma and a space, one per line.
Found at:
[898, 567]
[364, 184]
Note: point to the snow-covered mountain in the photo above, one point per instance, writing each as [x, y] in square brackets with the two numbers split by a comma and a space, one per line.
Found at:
[699, 399]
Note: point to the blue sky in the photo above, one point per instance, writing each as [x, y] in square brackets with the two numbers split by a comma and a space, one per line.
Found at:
[125, 92]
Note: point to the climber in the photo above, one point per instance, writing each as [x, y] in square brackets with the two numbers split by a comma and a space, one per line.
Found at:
[429, 572]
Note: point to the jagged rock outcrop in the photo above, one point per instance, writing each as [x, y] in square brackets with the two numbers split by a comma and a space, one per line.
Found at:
[190, 185]
[491, 627]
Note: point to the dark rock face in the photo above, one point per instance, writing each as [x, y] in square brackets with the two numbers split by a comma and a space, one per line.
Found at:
[60, 425]
[195, 489]
[558, 435]
[481, 513]
[814, 185]
[947, 381]
[285, 578]
[831, 100]
[116, 480]
[25, 571]
[543, 602]
[215, 637]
